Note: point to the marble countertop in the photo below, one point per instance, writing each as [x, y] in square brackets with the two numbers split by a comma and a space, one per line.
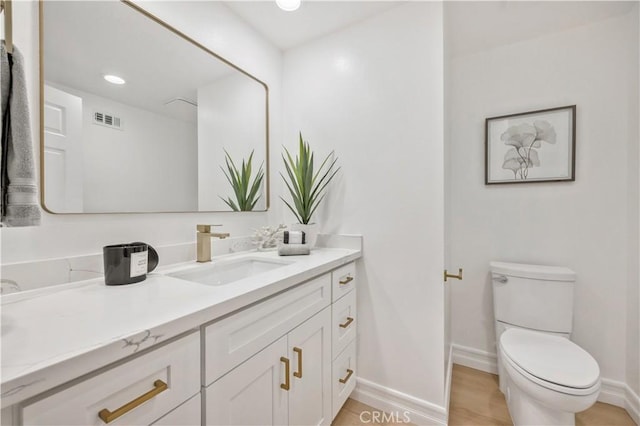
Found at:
[52, 336]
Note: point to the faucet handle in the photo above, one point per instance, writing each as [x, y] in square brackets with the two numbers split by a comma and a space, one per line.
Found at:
[205, 228]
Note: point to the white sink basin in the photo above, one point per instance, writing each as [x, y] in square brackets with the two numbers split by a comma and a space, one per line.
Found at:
[224, 272]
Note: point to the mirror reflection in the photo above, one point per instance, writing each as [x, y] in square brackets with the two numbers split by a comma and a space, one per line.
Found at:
[137, 118]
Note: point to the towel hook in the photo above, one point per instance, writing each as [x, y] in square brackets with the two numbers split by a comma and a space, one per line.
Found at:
[448, 275]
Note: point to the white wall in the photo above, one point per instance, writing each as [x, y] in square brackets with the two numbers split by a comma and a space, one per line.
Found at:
[231, 117]
[374, 93]
[116, 167]
[583, 224]
[66, 235]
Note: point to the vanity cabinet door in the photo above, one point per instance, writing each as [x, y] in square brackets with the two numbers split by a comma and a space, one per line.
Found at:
[310, 354]
[251, 394]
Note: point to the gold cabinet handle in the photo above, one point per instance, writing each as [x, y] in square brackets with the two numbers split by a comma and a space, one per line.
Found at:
[298, 373]
[347, 323]
[107, 416]
[347, 280]
[287, 369]
[347, 377]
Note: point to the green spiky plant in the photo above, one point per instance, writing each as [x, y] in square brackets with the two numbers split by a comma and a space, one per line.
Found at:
[305, 186]
[245, 190]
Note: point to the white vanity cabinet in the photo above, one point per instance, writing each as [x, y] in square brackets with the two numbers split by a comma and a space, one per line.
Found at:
[309, 333]
[286, 359]
[288, 382]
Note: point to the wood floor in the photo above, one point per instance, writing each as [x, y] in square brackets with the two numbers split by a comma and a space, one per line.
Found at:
[476, 400]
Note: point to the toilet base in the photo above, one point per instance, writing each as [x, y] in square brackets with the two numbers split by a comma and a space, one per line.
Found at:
[524, 410]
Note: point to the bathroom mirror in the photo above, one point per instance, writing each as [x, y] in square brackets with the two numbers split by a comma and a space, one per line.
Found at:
[136, 116]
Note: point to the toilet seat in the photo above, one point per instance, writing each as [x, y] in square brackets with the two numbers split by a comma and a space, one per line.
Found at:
[551, 361]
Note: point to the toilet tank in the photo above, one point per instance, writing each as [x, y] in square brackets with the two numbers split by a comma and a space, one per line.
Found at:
[533, 296]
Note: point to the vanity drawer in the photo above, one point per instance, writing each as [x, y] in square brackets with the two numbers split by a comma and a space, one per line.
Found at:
[165, 377]
[344, 280]
[343, 321]
[343, 377]
[236, 338]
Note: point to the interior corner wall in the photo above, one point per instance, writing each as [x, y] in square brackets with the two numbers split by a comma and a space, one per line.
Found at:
[373, 92]
[583, 224]
[217, 28]
[633, 294]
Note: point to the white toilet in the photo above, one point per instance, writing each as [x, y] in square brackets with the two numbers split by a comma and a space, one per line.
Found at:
[545, 377]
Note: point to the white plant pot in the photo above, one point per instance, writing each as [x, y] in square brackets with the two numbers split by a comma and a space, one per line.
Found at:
[310, 230]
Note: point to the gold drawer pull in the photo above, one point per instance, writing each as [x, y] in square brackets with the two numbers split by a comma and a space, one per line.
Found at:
[347, 323]
[107, 416]
[347, 377]
[298, 373]
[346, 280]
[287, 384]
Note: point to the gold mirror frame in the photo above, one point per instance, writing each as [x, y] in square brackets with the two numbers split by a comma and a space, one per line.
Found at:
[184, 37]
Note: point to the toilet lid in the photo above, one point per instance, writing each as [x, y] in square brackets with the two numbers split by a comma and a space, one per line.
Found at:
[550, 358]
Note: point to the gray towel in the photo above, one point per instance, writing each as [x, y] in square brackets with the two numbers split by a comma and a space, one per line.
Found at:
[293, 249]
[19, 197]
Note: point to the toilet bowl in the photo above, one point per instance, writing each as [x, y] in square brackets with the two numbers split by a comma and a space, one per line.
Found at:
[548, 377]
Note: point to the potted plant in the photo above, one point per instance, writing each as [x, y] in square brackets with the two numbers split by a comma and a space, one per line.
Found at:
[246, 191]
[306, 186]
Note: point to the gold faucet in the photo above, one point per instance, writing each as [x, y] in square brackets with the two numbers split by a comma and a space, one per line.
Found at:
[203, 237]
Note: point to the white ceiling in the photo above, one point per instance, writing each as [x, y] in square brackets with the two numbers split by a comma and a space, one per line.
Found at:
[471, 26]
[314, 18]
[83, 41]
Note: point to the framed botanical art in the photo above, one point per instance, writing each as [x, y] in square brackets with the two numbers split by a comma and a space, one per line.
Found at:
[535, 146]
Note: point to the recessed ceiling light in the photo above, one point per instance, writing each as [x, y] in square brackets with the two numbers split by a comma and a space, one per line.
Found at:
[114, 79]
[288, 5]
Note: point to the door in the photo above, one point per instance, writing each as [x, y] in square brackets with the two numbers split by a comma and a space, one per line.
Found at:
[310, 354]
[63, 171]
[251, 394]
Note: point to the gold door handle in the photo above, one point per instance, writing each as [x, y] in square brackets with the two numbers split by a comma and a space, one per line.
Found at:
[347, 377]
[447, 275]
[287, 369]
[298, 373]
[107, 416]
[347, 323]
[346, 280]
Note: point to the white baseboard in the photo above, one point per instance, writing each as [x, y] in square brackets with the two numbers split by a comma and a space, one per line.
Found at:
[612, 392]
[420, 412]
[632, 404]
[475, 358]
[620, 394]
[447, 383]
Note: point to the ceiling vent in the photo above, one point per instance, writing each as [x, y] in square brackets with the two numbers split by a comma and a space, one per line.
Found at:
[107, 120]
